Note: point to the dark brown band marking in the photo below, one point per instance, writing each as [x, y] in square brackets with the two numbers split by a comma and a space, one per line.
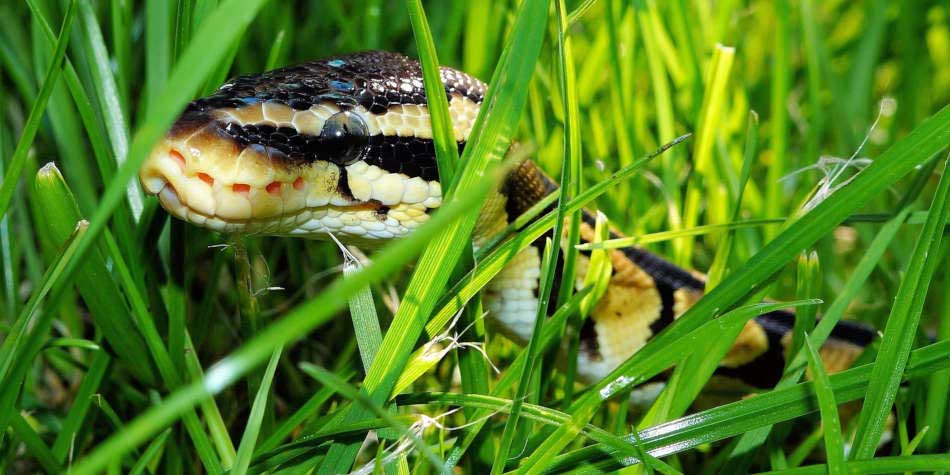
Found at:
[343, 185]
[411, 156]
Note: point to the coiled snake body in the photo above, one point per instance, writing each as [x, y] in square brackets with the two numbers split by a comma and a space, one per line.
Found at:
[344, 146]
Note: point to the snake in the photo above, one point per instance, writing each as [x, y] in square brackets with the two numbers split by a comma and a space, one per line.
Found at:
[343, 147]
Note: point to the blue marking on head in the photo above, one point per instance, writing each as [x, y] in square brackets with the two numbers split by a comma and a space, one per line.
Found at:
[336, 63]
[250, 100]
[341, 85]
[335, 97]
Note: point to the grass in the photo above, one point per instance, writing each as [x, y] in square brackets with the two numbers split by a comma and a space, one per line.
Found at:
[130, 344]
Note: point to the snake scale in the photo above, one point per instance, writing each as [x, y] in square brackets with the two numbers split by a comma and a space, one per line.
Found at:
[344, 146]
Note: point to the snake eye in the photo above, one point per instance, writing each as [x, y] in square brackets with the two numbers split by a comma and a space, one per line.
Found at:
[345, 135]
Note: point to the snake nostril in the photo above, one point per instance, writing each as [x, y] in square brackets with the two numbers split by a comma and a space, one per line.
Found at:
[177, 157]
[274, 188]
[206, 178]
[241, 188]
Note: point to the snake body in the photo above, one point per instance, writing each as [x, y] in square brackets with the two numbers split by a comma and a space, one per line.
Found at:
[343, 146]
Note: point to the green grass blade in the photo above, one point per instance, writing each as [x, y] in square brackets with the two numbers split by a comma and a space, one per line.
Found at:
[661, 236]
[306, 411]
[443, 135]
[211, 41]
[915, 463]
[724, 253]
[778, 133]
[363, 312]
[644, 368]
[915, 442]
[146, 326]
[694, 430]
[331, 380]
[739, 417]
[938, 389]
[578, 12]
[533, 412]
[548, 263]
[693, 372]
[253, 427]
[111, 109]
[600, 268]
[508, 379]
[29, 328]
[121, 36]
[34, 444]
[710, 118]
[570, 187]
[17, 163]
[663, 104]
[901, 329]
[831, 317]
[212, 414]
[815, 69]
[834, 441]
[94, 281]
[372, 17]
[97, 137]
[182, 29]
[153, 450]
[66, 437]
[158, 48]
[809, 285]
[276, 50]
[860, 78]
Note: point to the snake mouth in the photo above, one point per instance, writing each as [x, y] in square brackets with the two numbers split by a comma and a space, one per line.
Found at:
[291, 223]
[225, 199]
[202, 177]
[207, 181]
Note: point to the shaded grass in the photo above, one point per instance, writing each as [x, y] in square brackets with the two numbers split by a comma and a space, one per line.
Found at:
[134, 346]
[18, 160]
[830, 423]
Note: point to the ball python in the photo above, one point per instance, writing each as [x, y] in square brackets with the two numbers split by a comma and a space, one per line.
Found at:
[344, 146]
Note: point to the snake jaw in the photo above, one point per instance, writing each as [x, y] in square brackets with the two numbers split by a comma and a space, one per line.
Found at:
[202, 178]
[235, 191]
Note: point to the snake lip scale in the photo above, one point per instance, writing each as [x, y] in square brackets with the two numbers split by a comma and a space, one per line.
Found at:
[343, 146]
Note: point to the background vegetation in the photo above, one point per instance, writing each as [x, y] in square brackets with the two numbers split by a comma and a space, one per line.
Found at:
[112, 328]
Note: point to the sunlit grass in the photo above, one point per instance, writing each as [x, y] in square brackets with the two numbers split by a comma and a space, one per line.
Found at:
[137, 344]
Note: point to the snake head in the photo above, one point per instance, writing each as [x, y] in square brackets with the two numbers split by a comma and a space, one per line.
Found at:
[342, 146]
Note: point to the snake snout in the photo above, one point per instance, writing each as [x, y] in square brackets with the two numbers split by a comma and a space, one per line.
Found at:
[182, 191]
[203, 176]
[155, 173]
